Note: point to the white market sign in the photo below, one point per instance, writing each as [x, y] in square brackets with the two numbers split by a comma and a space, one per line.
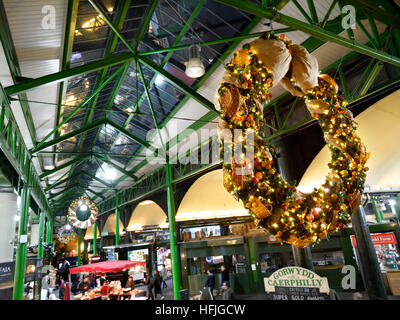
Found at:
[296, 277]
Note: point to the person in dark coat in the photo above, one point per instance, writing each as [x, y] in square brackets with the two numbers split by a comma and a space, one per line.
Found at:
[130, 283]
[210, 283]
[149, 282]
[61, 291]
[84, 286]
[224, 274]
[157, 284]
[227, 292]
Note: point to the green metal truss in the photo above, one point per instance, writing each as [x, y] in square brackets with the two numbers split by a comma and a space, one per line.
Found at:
[70, 25]
[321, 31]
[14, 148]
[311, 45]
[311, 29]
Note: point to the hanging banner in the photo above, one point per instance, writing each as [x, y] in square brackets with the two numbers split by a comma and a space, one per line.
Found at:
[296, 283]
[378, 239]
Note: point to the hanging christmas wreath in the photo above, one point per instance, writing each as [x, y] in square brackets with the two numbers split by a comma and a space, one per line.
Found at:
[249, 163]
[82, 213]
[65, 234]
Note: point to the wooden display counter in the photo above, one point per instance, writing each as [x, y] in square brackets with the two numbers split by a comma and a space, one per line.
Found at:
[393, 281]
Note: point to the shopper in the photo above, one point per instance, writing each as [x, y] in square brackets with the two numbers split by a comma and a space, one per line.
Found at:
[102, 279]
[224, 274]
[149, 282]
[61, 291]
[164, 273]
[65, 269]
[227, 292]
[210, 283]
[157, 284]
[130, 283]
[105, 291]
[84, 286]
[75, 283]
[67, 295]
[52, 281]
[45, 286]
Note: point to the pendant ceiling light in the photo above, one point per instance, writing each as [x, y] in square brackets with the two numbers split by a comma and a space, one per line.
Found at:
[194, 67]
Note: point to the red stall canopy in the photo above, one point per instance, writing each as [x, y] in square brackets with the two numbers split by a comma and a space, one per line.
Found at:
[106, 266]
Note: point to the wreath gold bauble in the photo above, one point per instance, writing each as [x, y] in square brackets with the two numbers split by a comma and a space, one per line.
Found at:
[251, 176]
[72, 217]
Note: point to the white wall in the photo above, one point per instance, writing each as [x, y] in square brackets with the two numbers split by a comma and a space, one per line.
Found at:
[34, 240]
[8, 211]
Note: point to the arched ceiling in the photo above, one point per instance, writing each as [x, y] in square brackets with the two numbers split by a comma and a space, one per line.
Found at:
[146, 214]
[208, 199]
[379, 130]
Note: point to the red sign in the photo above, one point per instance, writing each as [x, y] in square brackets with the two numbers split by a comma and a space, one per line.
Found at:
[379, 239]
[94, 259]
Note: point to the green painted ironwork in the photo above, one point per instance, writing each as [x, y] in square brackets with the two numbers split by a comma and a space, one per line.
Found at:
[310, 29]
[116, 220]
[79, 246]
[90, 97]
[172, 231]
[95, 238]
[13, 146]
[20, 257]
[42, 219]
[56, 77]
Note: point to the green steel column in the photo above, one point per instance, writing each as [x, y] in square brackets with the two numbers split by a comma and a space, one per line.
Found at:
[79, 246]
[253, 261]
[49, 232]
[172, 231]
[42, 222]
[116, 221]
[368, 263]
[20, 260]
[85, 252]
[94, 238]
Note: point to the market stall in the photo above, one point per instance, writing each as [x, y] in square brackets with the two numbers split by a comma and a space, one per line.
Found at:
[117, 292]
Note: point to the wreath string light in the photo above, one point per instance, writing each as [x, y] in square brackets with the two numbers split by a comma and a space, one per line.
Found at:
[250, 173]
[65, 234]
[72, 213]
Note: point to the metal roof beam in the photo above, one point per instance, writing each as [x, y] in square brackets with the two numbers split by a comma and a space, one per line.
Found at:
[144, 26]
[97, 90]
[52, 186]
[111, 45]
[69, 135]
[388, 16]
[70, 26]
[65, 165]
[313, 30]
[123, 171]
[67, 74]
[212, 42]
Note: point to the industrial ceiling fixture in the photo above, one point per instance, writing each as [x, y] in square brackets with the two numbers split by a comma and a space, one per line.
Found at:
[194, 67]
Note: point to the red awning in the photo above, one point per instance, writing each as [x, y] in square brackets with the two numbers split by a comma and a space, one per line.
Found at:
[106, 266]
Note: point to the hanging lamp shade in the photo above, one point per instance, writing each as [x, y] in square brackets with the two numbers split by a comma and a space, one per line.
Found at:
[194, 67]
